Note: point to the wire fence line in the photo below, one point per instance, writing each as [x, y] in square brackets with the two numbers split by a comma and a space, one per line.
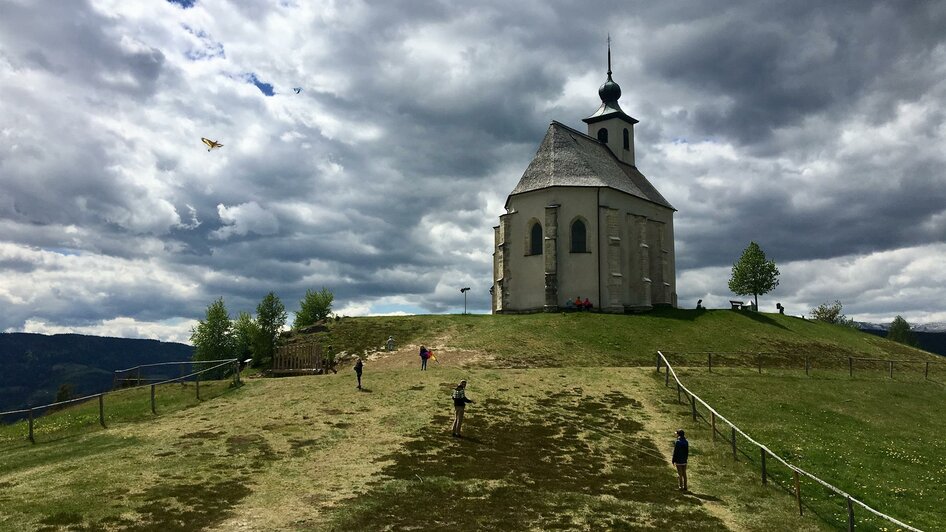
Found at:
[711, 359]
[851, 501]
[226, 363]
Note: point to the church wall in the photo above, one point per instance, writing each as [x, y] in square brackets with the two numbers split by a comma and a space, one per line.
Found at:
[576, 272]
[653, 261]
[636, 245]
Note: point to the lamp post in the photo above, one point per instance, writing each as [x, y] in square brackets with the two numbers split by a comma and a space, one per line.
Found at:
[464, 291]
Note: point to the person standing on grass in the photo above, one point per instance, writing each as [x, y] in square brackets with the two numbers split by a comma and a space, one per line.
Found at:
[359, 367]
[681, 450]
[459, 404]
[424, 355]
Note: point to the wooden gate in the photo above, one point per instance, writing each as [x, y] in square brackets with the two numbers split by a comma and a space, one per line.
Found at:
[298, 359]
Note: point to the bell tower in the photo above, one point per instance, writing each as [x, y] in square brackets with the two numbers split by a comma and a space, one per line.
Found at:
[610, 124]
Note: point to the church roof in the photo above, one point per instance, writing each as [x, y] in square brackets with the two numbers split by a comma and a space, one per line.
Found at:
[568, 158]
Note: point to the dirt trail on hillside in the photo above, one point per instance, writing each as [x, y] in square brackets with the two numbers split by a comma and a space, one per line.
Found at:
[408, 355]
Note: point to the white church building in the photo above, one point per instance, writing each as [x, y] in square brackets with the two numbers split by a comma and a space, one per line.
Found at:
[584, 222]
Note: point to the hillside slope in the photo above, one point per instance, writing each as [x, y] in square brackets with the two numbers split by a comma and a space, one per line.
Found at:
[35, 365]
[565, 434]
[588, 339]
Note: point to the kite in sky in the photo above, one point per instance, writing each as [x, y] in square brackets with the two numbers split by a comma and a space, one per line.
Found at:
[297, 89]
[211, 144]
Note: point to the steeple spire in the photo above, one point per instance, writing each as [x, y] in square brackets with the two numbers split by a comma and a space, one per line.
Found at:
[609, 55]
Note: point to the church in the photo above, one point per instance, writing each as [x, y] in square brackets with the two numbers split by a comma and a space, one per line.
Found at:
[583, 222]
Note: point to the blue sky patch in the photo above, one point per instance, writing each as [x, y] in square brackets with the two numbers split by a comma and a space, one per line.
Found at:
[183, 3]
[265, 88]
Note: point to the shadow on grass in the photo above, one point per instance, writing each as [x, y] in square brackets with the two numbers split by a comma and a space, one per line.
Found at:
[760, 318]
[565, 461]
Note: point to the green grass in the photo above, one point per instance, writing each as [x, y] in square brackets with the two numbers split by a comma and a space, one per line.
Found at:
[589, 339]
[873, 437]
[565, 434]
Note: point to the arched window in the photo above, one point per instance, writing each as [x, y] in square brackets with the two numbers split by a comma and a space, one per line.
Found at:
[578, 237]
[535, 239]
[603, 135]
[627, 139]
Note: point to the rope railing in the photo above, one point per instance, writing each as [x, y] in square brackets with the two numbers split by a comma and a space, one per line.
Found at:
[850, 500]
[101, 396]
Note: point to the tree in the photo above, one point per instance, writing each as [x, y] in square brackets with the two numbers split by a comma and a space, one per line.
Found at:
[829, 313]
[832, 313]
[314, 306]
[213, 336]
[245, 332]
[900, 331]
[753, 274]
[270, 319]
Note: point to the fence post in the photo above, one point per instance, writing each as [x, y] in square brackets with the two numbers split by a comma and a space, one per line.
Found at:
[658, 362]
[31, 427]
[760, 363]
[798, 492]
[693, 404]
[891, 369]
[153, 409]
[713, 422]
[850, 515]
[764, 479]
[678, 391]
[926, 376]
[806, 366]
[710, 361]
[667, 377]
[236, 368]
[197, 384]
[850, 365]
[733, 440]
[138, 377]
[102, 409]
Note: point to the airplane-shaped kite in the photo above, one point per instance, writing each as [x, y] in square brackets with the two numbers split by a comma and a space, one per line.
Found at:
[211, 144]
[297, 89]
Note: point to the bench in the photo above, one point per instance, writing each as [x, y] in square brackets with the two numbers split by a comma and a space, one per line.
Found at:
[736, 305]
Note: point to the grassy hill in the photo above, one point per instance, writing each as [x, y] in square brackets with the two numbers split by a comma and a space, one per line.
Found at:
[571, 430]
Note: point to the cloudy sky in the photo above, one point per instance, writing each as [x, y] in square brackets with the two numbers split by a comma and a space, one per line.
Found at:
[813, 128]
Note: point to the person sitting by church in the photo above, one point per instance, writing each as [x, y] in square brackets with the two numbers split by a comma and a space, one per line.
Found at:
[578, 304]
[569, 306]
[587, 304]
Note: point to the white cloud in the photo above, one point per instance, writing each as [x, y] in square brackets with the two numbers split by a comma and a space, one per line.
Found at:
[243, 219]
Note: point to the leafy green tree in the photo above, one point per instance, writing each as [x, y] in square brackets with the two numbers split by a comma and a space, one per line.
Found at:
[314, 306]
[753, 274]
[900, 331]
[832, 313]
[213, 336]
[245, 332]
[270, 319]
[829, 313]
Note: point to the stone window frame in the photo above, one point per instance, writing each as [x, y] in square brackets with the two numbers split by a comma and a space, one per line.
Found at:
[571, 234]
[603, 135]
[627, 139]
[529, 241]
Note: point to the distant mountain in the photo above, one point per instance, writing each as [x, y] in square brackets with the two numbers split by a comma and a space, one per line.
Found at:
[34, 366]
[931, 337]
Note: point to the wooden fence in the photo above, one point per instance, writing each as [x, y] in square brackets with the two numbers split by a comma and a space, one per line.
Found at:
[797, 472]
[195, 376]
[299, 359]
[718, 359]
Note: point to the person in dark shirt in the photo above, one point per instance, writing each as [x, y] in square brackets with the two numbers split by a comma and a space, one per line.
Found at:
[424, 355]
[359, 367]
[459, 404]
[681, 450]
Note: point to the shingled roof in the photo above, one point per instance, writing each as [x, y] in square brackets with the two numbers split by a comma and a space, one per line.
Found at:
[569, 158]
